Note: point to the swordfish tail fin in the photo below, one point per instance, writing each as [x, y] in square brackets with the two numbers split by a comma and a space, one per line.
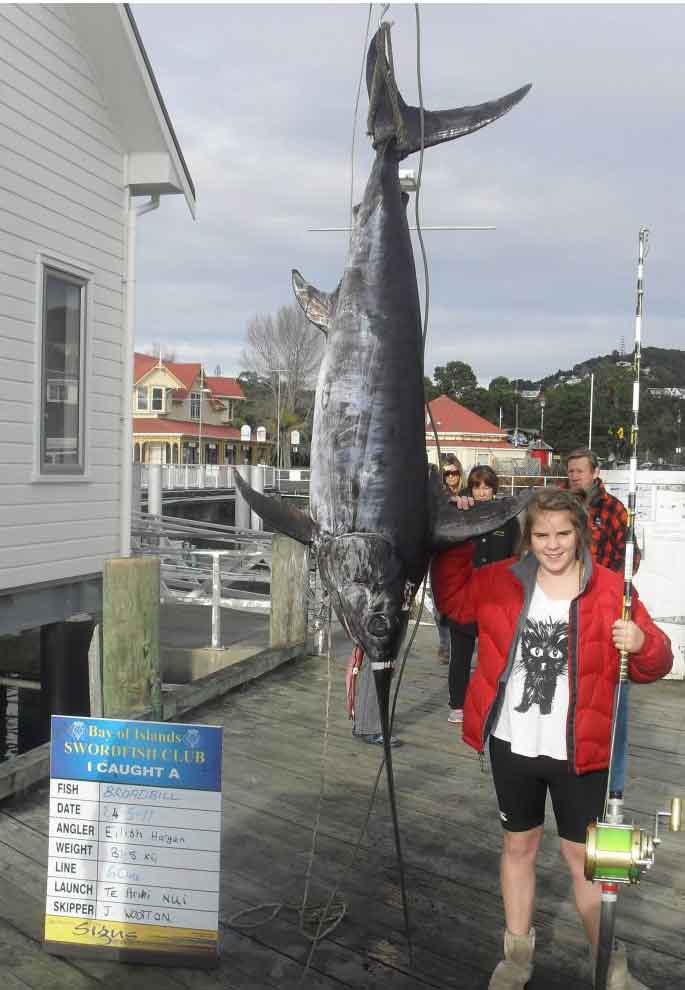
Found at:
[390, 117]
[278, 517]
[382, 677]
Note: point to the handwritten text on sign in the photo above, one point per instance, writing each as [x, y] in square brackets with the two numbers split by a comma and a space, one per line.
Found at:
[135, 837]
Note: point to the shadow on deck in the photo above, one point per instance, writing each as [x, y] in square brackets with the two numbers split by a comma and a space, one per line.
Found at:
[274, 735]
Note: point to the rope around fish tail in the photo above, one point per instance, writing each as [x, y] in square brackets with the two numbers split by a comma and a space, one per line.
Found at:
[613, 803]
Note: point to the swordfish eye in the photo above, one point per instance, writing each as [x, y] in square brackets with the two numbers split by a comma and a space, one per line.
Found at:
[378, 625]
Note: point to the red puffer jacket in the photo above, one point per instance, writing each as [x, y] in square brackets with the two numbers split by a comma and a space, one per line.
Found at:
[497, 597]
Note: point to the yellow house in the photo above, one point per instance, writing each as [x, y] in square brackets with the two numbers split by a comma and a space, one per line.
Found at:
[182, 416]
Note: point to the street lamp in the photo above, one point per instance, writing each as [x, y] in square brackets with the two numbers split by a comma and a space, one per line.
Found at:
[543, 403]
[279, 372]
[203, 391]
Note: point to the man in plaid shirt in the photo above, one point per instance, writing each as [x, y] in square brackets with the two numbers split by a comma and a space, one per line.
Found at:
[608, 522]
[608, 518]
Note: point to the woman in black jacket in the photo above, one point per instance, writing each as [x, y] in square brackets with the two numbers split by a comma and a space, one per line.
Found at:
[499, 544]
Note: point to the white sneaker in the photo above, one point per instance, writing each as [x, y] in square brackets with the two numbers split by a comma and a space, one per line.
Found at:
[456, 715]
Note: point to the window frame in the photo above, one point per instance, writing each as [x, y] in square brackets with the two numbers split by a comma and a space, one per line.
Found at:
[195, 397]
[48, 267]
[141, 390]
[153, 389]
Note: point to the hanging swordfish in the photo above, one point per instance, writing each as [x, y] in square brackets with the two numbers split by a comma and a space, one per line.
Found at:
[376, 514]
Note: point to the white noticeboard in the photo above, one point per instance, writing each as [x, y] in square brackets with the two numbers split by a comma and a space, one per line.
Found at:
[135, 841]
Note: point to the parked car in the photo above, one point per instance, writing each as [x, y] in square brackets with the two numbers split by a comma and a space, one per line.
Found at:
[517, 439]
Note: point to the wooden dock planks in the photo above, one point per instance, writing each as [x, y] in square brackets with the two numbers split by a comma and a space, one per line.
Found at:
[273, 741]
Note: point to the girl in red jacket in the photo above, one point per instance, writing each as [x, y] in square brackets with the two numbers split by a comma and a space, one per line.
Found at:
[542, 697]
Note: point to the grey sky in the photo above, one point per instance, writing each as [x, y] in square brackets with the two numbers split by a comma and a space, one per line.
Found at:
[262, 99]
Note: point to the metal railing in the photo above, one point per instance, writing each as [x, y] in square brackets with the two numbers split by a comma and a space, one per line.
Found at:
[202, 476]
[222, 576]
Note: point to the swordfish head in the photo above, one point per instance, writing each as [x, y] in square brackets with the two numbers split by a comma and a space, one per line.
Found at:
[370, 591]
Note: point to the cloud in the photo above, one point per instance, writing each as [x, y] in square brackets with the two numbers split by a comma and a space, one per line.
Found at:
[262, 99]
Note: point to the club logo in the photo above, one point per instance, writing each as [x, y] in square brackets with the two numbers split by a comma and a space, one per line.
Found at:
[77, 729]
[191, 738]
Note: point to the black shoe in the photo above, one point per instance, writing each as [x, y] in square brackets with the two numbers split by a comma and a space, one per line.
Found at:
[377, 740]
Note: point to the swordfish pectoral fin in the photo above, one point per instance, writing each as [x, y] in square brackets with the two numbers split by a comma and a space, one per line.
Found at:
[390, 117]
[451, 525]
[317, 306]
[278, 517]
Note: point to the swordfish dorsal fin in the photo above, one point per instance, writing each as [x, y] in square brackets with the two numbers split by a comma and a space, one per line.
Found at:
[390, 117]
[450, 525]
[277, 516]
[317, 306]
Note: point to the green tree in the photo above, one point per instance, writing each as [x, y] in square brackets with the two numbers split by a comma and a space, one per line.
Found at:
[453, 378]
[430, 391]
[500, 384]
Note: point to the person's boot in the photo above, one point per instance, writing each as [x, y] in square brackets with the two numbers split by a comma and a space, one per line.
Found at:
[619, 977]
[516, 969]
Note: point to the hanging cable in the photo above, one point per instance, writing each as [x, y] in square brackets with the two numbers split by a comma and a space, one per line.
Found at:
[355, 120]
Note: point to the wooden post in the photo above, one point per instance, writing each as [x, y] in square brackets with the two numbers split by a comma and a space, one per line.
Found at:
[95, 672]
[131, 677]
[289, 579]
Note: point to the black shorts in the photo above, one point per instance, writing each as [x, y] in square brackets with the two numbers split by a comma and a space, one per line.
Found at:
[522, 782]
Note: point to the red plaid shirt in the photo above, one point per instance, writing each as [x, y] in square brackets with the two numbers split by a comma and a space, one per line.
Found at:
[608, 522]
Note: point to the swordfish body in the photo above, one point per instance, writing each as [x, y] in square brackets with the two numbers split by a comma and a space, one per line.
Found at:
[376, 514]
[369, 480]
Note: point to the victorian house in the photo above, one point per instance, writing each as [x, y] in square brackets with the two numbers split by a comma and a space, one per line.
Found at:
[183, 416]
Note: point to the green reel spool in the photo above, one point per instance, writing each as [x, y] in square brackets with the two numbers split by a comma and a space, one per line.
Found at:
[617, 853]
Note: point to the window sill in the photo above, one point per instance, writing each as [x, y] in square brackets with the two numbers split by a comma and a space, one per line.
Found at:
[61, 479]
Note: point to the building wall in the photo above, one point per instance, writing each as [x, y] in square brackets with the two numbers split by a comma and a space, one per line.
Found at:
[62, 194]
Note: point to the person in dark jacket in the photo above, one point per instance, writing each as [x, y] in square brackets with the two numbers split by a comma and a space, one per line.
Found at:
[454, 481]
[499, 544]
[542, 696]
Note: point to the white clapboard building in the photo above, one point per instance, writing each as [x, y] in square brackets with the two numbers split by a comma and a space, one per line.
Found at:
[86, 147]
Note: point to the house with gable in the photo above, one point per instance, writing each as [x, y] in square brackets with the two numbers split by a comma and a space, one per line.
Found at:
[86, 148]
[472, 438]
[183, 416]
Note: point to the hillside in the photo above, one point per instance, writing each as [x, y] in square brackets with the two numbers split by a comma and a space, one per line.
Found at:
[661, 367]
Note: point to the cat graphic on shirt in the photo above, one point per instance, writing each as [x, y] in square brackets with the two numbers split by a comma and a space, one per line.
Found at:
[544, 658]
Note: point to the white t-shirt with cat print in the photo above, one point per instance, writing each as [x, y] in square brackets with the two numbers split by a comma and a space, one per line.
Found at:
[535, 708]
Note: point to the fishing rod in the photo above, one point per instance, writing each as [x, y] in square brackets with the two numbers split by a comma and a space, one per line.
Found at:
[617, 853]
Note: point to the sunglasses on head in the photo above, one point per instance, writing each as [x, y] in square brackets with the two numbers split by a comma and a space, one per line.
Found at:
[449, 474]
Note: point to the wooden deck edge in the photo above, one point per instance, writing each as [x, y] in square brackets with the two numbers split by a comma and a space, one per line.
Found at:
[21, 772]
[190, 696]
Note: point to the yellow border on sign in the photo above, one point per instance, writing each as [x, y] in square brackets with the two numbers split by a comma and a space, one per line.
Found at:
[122, 935]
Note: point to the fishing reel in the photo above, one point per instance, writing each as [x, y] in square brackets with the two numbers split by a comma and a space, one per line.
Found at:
[617, 853]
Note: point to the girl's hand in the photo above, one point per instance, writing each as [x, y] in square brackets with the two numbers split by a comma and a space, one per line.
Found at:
[627, 636]
[463, 501]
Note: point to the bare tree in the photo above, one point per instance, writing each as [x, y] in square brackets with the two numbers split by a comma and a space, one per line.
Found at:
[156, 349]
[285, 344]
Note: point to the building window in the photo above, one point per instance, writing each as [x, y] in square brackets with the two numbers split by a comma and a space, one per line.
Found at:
[141, 398]
[229, 454]
[195, 405]
[158, 400]
[63, 373]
